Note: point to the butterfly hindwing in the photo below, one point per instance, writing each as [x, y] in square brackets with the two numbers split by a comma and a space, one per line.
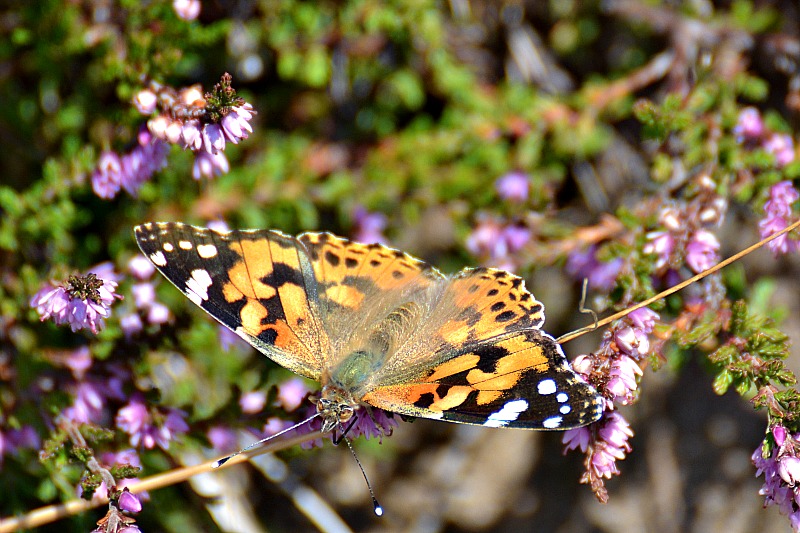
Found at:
[257, 283]
[519, 380]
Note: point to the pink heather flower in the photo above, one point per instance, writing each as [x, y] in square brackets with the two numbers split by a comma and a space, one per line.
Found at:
[780, 245]
[192, 135]
[291, 393]
[222, 439]
[583, 365]
[218, 225]
[781, 197]
[775, 492]
[141, 268]
[622, 382]
[173, 133]
[187, 9]
[612, 445]
[79, 361]
[778, 213]
[88, 406]
[377, 424]
[789, 469]
[235, 126]
[252, 402]
[192, 96]
[274, 425]
[485, 240]
[781, 146]
[702, 252]
[13, 440]
[83, 302]
[158, 314]
[158, 126]
[145, 101]
[513, 186]
[576, 438]
[516, 237]
[131, 324]
[369, 226]
[585, 265]
[129, 502]
[632, 341]
[107, 177]
[208, 165]
[144, 294]
[135, 420]
[213, 138]
[749, 126]
[660, 243]
[142, 162]
[123, 457]
[644, 318]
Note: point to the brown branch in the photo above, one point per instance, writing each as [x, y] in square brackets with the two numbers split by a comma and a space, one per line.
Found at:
[51, 513]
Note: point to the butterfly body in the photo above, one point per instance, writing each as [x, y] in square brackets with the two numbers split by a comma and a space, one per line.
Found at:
[377, 327]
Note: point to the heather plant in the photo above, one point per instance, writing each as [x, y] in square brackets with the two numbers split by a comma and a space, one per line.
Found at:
[632, 145]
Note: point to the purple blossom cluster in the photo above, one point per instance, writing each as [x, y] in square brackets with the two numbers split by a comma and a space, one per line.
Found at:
[369, 226]
[781, 471]
[619, 361]
[150, 427]
[129, 171]
[602, 275]
[187, 9]
[779, 215]
[513, 186]
[685, 238]
[83, 301]
[116, 519]
[203, 123]
[751, 131]
[14, 439]
[371, 422]
[146, 305]
[496, 243]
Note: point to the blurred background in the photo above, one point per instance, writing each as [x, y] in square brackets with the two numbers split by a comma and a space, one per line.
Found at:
[540, 137]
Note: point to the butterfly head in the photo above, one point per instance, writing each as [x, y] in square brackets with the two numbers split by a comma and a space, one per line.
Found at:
[335, 406]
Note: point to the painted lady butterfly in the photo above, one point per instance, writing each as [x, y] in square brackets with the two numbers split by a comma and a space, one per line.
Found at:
[378, 327]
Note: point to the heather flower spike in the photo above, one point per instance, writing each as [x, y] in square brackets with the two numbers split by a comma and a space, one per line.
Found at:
[84, 301]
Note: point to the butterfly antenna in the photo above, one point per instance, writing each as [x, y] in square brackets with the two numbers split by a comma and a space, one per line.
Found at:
[722, 264]
[375, 505]
[262, 441]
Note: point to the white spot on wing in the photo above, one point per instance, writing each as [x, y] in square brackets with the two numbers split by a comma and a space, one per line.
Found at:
[562, 397]
[546, 386]
[185, 245]
[565, 409]
[197, 286]
[552, 423]
[508, 413]
[168, 247]
[158, 259]
[206, 251]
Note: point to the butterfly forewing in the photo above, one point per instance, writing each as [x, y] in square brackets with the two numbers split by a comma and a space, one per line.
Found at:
[257, 283]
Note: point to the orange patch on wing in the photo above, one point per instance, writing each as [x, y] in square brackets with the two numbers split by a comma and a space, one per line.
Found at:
[231, 293]
[252, 315]
[295, 303]
[455, 332]
[256, 264]
[454, 366]
[488, 396]
[345, 296]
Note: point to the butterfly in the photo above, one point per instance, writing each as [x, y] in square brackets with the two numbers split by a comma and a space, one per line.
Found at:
[378, 328]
